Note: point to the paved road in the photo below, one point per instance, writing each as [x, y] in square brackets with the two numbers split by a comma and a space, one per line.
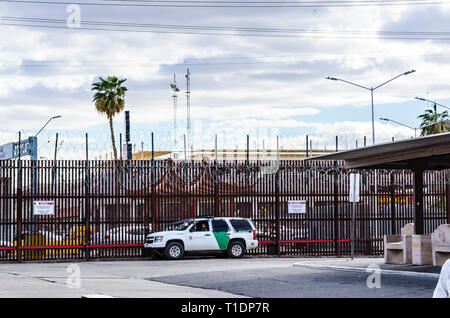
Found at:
[303, 282]
[209, 277]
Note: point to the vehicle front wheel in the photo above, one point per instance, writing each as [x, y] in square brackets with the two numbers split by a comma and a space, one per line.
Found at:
[236, 249]
[174, 250]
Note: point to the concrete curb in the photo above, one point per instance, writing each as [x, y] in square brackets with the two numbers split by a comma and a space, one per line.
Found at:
[367, 270]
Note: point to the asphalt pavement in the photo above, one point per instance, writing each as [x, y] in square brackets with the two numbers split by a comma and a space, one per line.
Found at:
[209, 278]
[300, 282]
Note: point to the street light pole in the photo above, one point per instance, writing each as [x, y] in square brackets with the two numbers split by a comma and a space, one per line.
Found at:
[54, 117]
[398, 123]
[371, 89]
[373, 117]
[415, 129]
[427, 100]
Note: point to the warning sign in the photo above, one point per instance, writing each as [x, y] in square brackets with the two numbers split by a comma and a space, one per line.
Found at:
[297, 206]
[44, 208]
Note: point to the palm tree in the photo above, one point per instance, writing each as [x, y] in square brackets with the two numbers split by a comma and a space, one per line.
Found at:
[110, 100]
[433, 122]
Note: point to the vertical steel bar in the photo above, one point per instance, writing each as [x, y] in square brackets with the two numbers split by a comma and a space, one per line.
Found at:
[418, 200]
[277, 208]
[217, 211]
[153, 187]
[87, 234]
[393, 212]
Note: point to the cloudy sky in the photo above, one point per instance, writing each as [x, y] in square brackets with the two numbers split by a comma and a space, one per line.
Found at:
[260, 70]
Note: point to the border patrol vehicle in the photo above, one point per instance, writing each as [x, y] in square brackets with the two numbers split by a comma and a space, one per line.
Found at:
[231, 236]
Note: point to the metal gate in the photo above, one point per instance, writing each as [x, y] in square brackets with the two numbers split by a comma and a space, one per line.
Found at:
[104, 208]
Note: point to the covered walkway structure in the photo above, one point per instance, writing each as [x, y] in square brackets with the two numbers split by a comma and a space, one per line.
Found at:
[418, 155]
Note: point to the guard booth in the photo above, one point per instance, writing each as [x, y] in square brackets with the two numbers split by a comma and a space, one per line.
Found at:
[417, 155]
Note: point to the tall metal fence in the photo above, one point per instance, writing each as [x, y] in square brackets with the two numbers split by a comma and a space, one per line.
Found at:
[104, 209]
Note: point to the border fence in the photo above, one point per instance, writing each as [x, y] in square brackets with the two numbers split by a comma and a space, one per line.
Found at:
[104, 209]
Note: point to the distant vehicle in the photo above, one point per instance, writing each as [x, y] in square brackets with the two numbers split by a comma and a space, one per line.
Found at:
[289, 233]
[292, 233]
[129, 234]
[230, 236]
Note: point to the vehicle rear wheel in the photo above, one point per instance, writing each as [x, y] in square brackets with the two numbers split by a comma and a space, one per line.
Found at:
[236, 249]
[174, 250]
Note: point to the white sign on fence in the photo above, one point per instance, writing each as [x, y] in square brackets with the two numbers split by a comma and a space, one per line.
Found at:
[44, 208]
[354, 187]
[297, 206]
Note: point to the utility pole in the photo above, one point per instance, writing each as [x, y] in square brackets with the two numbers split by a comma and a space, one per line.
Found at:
[127, 136]
[175, 100]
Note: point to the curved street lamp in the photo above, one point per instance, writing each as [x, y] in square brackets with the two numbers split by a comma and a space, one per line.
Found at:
[427, 100]
[415, 129]
[54, 117]
[398, 123]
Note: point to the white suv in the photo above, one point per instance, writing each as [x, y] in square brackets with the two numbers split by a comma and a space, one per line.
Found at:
[232, 236]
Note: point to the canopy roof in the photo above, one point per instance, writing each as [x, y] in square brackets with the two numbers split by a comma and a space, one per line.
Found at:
[425, 153]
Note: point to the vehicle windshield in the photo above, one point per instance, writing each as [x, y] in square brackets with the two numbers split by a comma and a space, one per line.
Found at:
[182, 225]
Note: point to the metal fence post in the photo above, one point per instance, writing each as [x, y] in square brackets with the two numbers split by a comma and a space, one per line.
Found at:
[86, 202]
[247, 161]
[392, 194]
[153, 200]
[336, 204]
[277, 210]
[19, 205]
[418, 199]
[336, 209]
[216, 183]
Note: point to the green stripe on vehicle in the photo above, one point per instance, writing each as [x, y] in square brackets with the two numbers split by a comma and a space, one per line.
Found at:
[222, 239]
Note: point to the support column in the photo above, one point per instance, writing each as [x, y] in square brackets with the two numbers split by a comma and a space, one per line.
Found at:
[418, 201]
[447, 196]
[393, 214]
